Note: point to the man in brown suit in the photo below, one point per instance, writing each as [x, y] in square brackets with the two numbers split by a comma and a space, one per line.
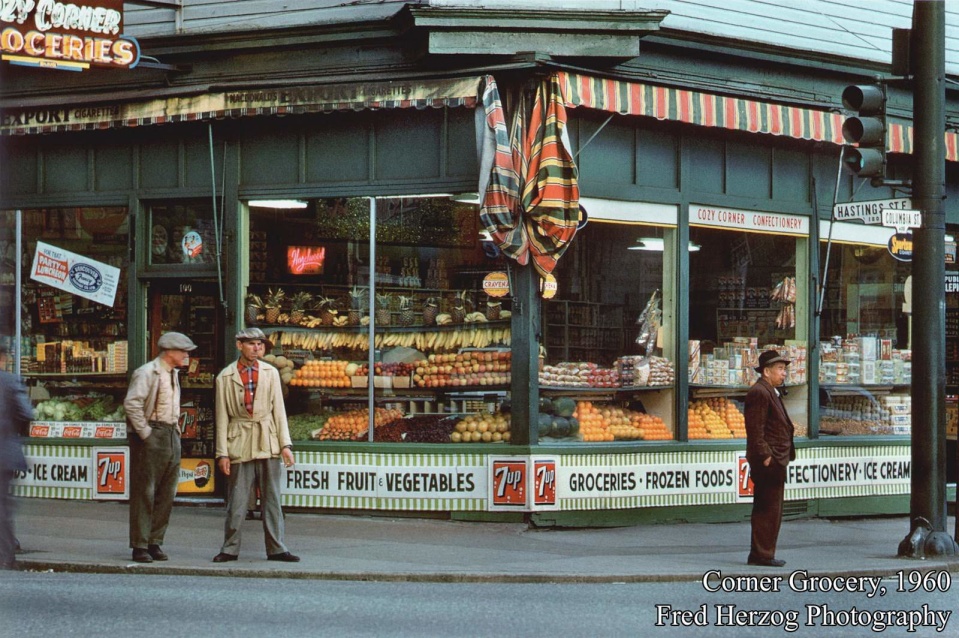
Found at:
[769, 449]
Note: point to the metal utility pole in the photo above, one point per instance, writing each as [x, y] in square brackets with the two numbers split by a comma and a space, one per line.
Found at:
[927, 507]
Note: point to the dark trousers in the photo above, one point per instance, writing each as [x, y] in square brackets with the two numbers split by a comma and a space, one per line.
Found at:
[155, 473]
[8, 541]
[768, 489]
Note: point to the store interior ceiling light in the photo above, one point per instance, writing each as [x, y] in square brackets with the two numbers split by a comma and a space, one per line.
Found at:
[284, 204]
[657, 244]
[467, 198]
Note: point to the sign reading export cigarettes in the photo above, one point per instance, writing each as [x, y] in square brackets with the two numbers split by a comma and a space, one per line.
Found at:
[749, 220]
[75, 274]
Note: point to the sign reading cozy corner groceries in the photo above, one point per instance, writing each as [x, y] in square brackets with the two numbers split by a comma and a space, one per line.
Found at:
[75, 273]
[282, 101]
[748, 220]
[68, 36]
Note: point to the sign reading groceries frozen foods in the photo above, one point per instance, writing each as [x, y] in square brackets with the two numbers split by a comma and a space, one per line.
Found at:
[75, 274]
[748, 220]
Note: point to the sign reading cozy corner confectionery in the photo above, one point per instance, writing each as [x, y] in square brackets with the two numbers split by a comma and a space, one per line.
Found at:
[748, 220]
[68, 36]
[75, 273]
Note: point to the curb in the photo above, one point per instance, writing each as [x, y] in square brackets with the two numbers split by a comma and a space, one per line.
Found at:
[951, 565]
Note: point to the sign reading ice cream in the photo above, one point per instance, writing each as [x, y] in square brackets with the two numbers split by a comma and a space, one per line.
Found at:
[75, 274]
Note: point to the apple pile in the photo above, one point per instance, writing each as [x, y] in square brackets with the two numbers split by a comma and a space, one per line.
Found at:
[473, 368]
[386, 369]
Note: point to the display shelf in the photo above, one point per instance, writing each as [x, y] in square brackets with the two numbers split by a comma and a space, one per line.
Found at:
[65, 375]
[590, 390]
[476, 325]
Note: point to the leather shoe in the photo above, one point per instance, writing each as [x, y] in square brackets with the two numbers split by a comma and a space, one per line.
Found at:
[223, 557]
[156, 553]
[141, 555]
[285, 557]
[766, 562]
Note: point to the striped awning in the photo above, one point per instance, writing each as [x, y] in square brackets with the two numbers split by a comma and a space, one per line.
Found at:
[528, 179]
[293, 100]
[739, 114]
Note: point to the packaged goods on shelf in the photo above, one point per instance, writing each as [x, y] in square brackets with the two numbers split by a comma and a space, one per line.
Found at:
[733, 363]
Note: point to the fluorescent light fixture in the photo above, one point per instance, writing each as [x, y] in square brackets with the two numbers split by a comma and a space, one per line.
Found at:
[950, 239]
[467, 198]
[285, 204]
[657, 244]
[414, 196]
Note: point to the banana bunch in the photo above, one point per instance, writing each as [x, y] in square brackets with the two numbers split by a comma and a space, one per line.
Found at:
[475, 317]
[471, 337]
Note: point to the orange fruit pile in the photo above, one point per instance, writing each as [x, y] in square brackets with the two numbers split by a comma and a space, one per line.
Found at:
[348, 426]
[592, 425]
[322, 374]
[609, 423]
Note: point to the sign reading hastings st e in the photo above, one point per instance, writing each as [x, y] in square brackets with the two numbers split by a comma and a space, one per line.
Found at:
[869, 212]
[65, 35]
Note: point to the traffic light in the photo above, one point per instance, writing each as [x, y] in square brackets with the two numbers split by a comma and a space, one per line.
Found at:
[867, 129]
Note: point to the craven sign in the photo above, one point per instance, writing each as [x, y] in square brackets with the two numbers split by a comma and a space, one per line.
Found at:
[66, 35]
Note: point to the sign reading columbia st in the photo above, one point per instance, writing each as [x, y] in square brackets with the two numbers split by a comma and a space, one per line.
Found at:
[66, 36]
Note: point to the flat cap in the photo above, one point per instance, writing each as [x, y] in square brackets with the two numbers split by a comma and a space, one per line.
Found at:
[175, 341]
[253, 334]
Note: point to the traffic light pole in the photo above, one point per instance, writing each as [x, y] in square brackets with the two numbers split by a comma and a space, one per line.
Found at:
[927, 507]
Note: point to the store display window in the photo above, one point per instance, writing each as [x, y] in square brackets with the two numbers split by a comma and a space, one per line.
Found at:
[865, 368]
[183, 233]
[73, 312]
[746, 295]
[607, 370]
[434, 292]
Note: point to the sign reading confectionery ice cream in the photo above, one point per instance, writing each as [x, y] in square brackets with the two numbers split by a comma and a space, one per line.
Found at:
[65, 35]
[75, 274]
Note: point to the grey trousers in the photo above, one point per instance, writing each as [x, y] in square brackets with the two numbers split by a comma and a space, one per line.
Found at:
[154, 477]
[243, 476]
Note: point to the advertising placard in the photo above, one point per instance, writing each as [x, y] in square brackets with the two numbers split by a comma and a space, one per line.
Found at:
[112, 472]
[543, 484]
[196, 476]
[75, 274]
[378, 481]
[508, 483]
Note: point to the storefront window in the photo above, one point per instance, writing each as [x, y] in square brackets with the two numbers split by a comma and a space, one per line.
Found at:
[608, 372]
[182, 233]
[441, 364]
[73, 305]
[746, 295]
[865, 370]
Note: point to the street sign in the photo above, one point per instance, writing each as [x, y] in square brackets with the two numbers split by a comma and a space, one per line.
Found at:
[869, 212]
[902, 220]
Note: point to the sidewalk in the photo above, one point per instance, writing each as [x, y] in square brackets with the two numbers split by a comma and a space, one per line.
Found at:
[92, 537]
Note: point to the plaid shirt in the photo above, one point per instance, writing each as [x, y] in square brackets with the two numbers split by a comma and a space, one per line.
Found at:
[250, 375]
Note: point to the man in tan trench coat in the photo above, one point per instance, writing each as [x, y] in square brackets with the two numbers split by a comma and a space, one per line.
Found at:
[252, 444]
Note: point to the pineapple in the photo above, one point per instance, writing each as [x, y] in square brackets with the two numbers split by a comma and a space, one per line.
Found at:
[356, 306]
[459, 308]
[272, 302]
[298, 304]
[254, 304]
[430, 309]
[406, 311]
[383, 309]
[493, 309]
[327, 310]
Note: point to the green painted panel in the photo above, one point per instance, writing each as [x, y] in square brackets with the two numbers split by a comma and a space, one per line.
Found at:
[461, 143]
[159, 162]
[65, 168]
[748, 167]
[337, 148]
[196, 156]
[706, 162]
[270, 153]
[791, 175]
[18, 166]
[658, 153]
[113, 167]
[611, 155]
[408, 144]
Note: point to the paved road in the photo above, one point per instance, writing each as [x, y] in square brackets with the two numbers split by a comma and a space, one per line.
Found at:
[43, 604]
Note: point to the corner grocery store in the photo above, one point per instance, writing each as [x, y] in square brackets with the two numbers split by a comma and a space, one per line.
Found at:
[704, 214]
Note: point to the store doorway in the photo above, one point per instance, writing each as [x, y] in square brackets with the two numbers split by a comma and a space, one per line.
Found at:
[192, 307]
